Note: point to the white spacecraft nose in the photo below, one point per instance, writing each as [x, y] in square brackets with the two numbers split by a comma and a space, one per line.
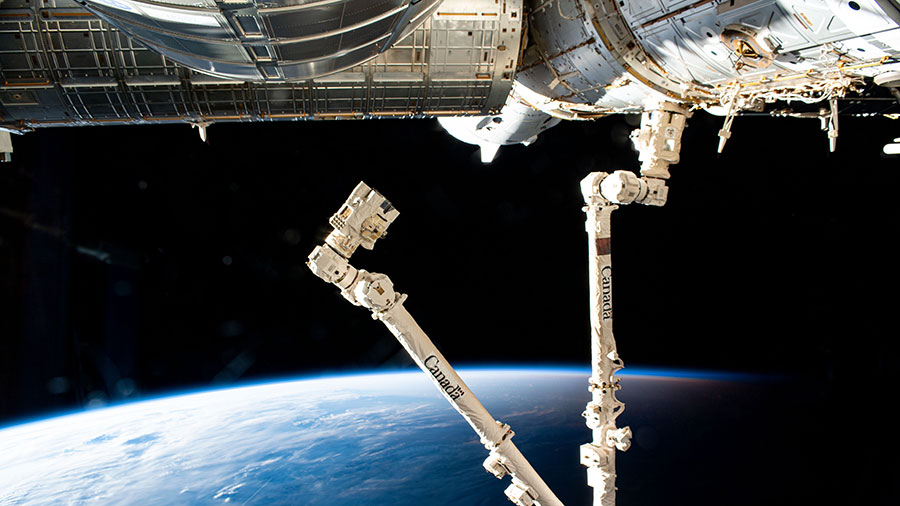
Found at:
[488, 152]
[516, 123]
[893, 148]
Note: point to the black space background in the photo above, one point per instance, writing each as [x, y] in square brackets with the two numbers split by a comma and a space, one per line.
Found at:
[775, 257]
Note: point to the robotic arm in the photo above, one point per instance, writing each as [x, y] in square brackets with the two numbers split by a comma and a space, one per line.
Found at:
[362, 220]
[658, 143]
[365, 217]
[599, 456]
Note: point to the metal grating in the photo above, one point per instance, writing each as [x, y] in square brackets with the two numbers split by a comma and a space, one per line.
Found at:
[20, 51]
[159, 102]
[460, 47]
[96, 104]
[79, 48]
[223, 101]
[63, 66]
[273, 101]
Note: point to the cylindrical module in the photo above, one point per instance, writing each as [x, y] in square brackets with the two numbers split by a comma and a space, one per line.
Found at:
[494, 434]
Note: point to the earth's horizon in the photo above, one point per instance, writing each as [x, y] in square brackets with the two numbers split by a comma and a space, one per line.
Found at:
[372, 437]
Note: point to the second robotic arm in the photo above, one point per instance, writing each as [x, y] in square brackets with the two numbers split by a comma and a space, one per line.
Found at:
[376, 292]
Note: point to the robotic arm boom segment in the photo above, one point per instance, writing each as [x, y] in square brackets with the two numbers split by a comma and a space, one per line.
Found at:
[362, 220]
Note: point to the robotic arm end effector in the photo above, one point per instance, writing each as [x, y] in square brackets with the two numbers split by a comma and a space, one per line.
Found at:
[624, 187]
[330, 266]
[370, 290]
[362, 220]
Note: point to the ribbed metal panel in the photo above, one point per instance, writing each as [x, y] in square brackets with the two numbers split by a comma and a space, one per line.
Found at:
[61, 65]
[297, 40]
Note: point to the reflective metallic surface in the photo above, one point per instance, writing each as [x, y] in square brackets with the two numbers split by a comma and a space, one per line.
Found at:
[62, 65]
[606, 56]
[265, 40]
[202, 61]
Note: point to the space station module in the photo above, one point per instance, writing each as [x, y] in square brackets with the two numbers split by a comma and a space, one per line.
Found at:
[495, 72]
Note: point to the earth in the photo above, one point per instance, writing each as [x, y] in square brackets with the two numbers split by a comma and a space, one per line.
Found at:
[390, 439]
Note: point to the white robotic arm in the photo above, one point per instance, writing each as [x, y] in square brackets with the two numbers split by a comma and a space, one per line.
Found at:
[361, 221]
[658, 143]
[624, 187]
[602, 192]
